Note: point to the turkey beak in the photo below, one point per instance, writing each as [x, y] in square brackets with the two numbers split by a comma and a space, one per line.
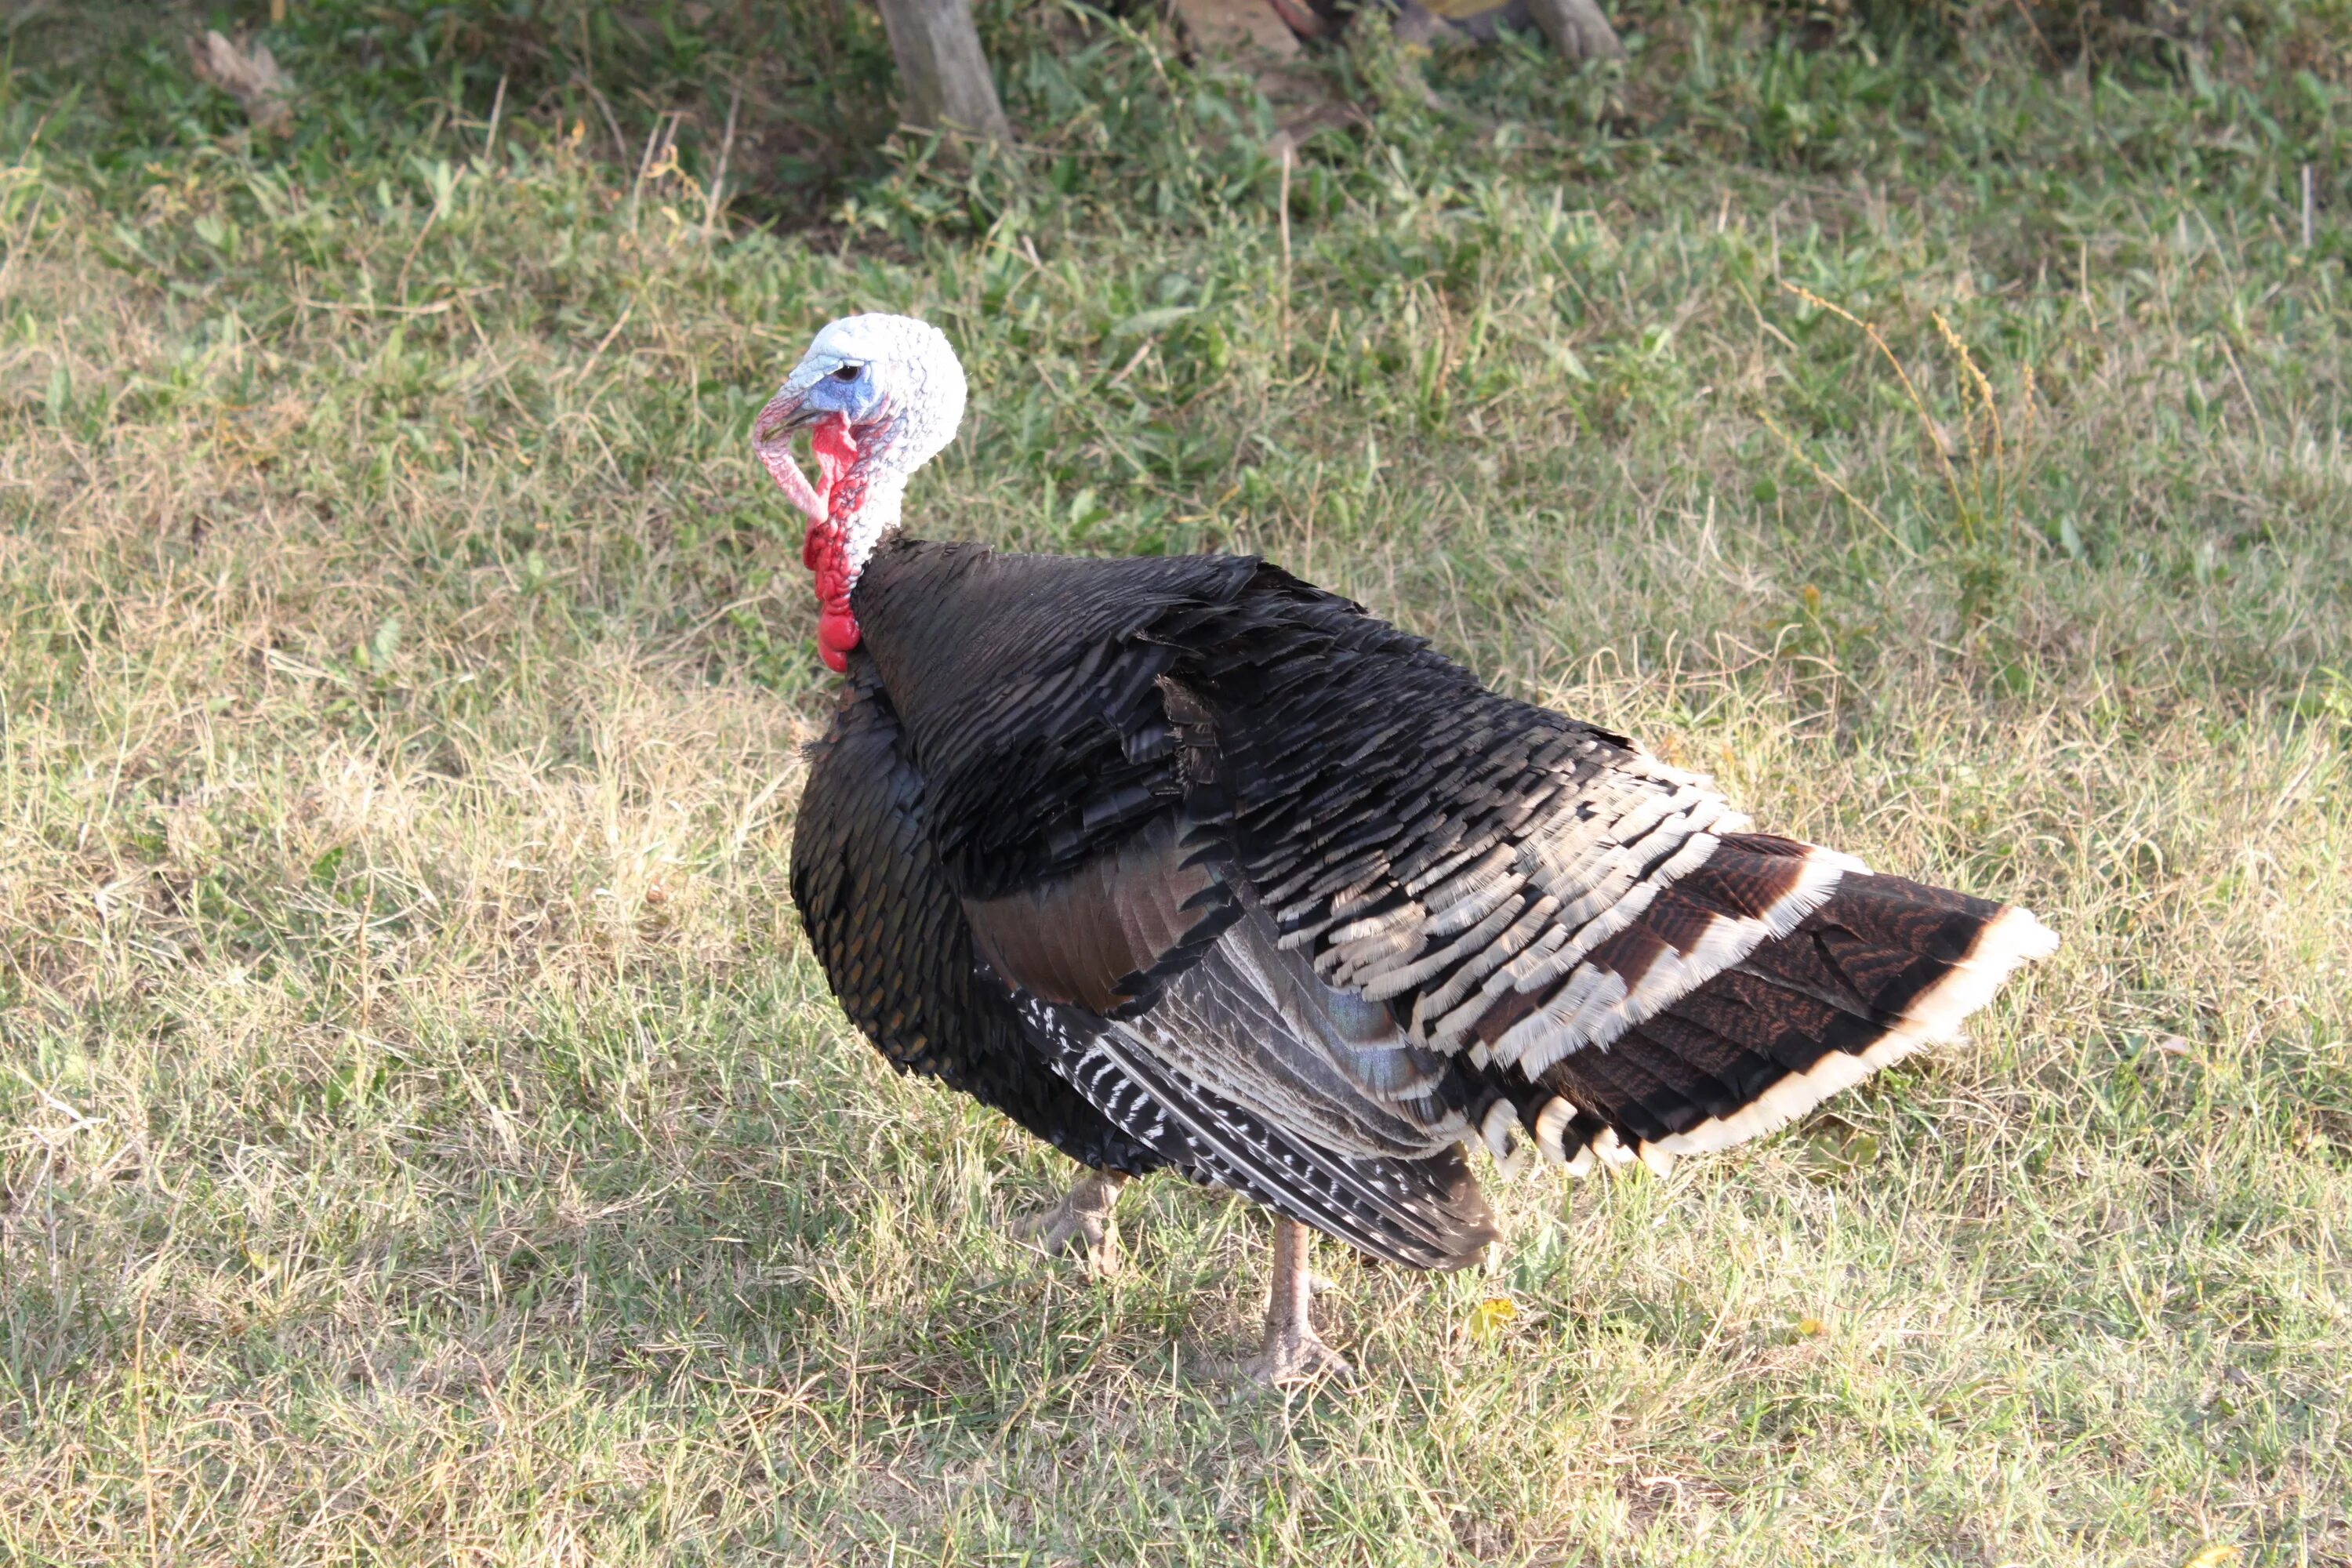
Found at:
[786, 412]
[771, 435]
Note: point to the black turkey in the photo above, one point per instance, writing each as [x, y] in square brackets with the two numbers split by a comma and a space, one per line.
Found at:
[1183, 861]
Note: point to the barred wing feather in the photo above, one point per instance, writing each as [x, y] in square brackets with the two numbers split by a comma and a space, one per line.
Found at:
[1166, 999]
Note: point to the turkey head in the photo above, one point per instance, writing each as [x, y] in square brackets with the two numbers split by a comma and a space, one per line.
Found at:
[879, 396]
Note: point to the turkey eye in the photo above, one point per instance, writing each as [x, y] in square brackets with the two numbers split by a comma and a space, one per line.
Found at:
[849, 372]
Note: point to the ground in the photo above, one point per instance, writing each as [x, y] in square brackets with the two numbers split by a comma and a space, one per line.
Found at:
[424, 1136]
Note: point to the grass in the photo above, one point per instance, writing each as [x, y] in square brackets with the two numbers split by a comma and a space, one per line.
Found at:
[423, 1137]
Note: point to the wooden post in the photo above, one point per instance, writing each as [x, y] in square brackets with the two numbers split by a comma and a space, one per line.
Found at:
[1577, 29]
[941, 72]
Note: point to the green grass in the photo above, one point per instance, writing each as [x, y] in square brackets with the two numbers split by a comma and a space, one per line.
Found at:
[423, 1137]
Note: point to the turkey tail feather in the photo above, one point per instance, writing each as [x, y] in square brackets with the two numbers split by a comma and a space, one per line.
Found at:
[1880, 968]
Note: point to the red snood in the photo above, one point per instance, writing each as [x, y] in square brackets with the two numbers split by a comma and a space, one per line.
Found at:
[825, 552]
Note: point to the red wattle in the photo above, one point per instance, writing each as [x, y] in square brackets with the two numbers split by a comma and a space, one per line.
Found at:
[824, 551]
[836, 634]
[836, 453]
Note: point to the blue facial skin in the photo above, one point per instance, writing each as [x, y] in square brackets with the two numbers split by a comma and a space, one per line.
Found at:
[847, 389]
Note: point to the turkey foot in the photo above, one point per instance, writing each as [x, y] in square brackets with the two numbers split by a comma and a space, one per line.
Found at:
[1293, 1352]
[1082, 1222]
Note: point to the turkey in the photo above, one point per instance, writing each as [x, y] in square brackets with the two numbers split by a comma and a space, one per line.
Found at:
[1183, 862]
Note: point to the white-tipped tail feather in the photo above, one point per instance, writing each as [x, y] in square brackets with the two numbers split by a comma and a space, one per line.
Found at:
[2011, 938]
[1551, 1121]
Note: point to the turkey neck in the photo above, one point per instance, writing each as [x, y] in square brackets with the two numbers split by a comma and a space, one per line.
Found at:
[863, 491]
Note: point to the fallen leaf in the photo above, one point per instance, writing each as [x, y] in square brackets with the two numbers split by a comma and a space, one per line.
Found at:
[1488, 1316]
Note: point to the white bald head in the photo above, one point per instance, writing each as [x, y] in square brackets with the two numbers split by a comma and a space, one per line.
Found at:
[896, 380]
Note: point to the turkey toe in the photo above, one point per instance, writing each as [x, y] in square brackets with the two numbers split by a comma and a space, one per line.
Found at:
[1296, 1353]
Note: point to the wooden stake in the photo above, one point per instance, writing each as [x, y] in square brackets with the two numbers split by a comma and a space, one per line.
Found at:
[941, 72]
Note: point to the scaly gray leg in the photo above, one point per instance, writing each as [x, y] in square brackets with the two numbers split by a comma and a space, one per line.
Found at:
[1082, 1222]
[1294, 1352]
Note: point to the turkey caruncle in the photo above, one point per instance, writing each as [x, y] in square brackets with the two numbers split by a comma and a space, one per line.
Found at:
[1185, 862]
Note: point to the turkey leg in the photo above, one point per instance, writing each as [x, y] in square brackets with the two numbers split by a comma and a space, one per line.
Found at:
[1293, 1352]
[1083, 1222]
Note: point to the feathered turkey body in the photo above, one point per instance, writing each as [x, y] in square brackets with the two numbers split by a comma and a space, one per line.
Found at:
[1183, 861]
